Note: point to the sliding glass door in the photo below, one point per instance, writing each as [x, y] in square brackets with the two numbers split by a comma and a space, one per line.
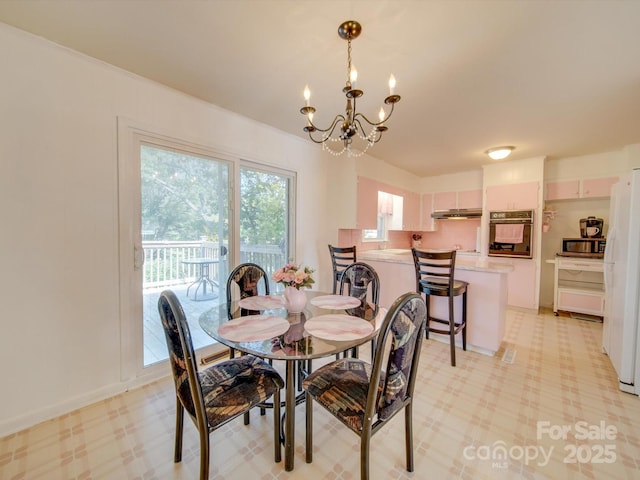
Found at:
[185, 237]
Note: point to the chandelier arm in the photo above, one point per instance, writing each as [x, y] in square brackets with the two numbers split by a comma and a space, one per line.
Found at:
[326, 136]
[375, 124]
[339, 118]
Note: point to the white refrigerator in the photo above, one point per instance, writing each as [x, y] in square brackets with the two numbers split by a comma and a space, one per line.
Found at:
[621, 332]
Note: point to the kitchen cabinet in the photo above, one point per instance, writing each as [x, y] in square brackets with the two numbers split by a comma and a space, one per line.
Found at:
[462, 199]
[584, 188]
[597, 187]
[411, 211]
[579, 286]
[513, 196]
[563, 190]
[522, 282]
[445, 200]
[428, 222]
[470, 199]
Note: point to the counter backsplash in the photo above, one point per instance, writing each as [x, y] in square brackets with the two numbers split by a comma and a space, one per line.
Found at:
[460, 234]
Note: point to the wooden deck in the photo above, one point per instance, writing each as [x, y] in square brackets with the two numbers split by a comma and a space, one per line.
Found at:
[155, 347]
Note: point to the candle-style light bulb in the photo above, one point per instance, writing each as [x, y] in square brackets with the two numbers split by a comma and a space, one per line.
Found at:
[381, 114]
[307, 94]
[310, 117]
[392, 84]
[353, 76]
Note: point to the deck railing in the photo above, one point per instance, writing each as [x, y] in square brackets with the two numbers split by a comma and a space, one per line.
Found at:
[163, 265]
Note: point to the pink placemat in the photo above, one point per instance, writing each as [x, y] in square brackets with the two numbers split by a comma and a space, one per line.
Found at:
[262, 302]
[253, 328]
[335, 301]
[338, 327]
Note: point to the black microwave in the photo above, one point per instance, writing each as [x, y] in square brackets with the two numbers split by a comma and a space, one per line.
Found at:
[584, 245]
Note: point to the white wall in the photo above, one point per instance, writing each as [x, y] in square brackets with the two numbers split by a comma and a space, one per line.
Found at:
[60, 342]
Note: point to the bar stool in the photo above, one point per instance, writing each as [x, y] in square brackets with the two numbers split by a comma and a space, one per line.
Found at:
[341, 258]
[435, 276]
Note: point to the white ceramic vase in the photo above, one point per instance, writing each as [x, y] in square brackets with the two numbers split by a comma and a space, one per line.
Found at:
[295, 300]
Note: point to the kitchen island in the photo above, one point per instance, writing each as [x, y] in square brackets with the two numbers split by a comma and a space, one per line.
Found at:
[486, 297]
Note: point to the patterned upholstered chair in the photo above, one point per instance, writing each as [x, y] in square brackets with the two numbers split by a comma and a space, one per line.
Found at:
[246, 280]
[360, 280]
[360, 395]
[341, 257]
[218, 394]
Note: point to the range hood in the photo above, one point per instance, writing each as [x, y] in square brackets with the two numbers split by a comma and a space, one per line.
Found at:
[457, 213]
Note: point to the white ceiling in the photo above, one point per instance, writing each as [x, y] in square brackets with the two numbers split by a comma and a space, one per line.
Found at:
[555, 78]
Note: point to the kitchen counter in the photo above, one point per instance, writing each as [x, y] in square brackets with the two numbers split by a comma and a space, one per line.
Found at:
[465, 260]
[486, 298]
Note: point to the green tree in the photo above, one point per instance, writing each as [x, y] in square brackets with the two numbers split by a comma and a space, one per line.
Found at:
[184, 197]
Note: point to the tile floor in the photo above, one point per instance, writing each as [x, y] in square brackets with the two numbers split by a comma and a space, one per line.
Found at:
[484, 419]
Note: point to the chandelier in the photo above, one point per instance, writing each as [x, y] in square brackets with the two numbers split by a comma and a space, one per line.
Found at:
[352, 123]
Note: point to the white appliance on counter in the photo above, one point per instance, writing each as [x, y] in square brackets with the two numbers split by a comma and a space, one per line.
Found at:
[621, 333]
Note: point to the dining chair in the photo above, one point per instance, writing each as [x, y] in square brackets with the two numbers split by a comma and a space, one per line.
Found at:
[360, 280]
[218, 394]
[341, 257]
[435, 272]
[245, 280]
[364, 396]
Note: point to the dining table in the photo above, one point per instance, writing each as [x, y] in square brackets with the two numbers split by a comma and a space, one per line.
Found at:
[262, 326]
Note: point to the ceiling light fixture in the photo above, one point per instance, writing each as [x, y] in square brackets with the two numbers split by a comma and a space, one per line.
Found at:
[499, 153]
[351, 122]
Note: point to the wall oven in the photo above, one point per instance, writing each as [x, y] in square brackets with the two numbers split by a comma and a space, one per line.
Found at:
[511, 233]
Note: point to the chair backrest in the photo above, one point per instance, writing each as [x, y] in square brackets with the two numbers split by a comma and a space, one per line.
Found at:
[341, 258]
[182, 358]
[247, 280]
[434, 268]
[405, 323]
[361, 280]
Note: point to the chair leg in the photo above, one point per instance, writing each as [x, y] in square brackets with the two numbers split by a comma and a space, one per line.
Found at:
[427, 300]
[204, 455]
[276, 427]
[408, 432]
[308, 410]
[464, 320]
[365, 440]
[246, 418]
[177, 454]
[452, 332]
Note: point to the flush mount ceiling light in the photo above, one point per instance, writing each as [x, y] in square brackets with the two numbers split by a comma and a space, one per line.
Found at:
[351, 122]
[499, 153]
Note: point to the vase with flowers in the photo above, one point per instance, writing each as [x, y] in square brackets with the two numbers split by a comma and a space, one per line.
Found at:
[294, 278]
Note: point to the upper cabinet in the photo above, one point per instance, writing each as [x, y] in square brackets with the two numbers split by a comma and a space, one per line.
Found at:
[445, 200]
[428, 222]
[411, 211]
[585, 188]
[470, 199]
[451, 200]
[513, 196]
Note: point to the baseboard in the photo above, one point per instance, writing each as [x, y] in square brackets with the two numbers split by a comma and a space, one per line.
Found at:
[35, 417]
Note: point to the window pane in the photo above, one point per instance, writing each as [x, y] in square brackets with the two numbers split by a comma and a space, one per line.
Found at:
[265, 203]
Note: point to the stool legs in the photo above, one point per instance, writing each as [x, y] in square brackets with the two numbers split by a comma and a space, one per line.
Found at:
[451, 323]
